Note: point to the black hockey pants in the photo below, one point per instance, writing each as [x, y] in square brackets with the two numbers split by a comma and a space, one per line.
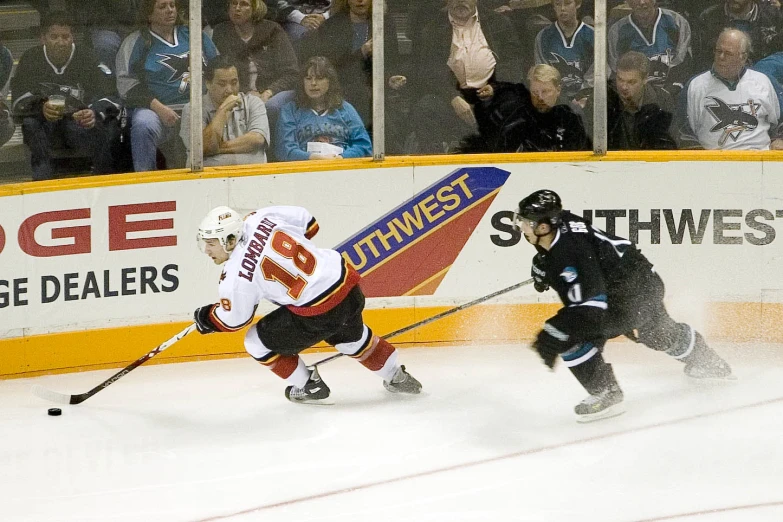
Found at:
[636, 310]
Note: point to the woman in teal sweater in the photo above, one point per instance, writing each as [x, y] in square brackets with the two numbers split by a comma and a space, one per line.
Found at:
[319, 123]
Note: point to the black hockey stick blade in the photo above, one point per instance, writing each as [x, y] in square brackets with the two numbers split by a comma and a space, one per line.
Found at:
[441, 315]
[63, 398]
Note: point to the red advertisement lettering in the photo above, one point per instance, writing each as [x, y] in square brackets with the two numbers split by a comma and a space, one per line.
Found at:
[81, 234]
[119, 226]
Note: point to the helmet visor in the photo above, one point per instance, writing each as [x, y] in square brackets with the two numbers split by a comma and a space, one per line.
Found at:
[202, 245]
[519, 220]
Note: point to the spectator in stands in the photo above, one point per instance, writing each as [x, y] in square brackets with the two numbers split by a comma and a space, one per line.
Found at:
[263, 53]
[235, 126]
[57, 90]
[6, 122]
[529, 17]
[567, 45]
[153, 77]
[469, 47]
[772, 66]
[319, 123]
[346, 40]
[639, 115]
[299, 17]
[534, 119]
[760, 20]
[730, 106]
[662, 35]
[108, 22]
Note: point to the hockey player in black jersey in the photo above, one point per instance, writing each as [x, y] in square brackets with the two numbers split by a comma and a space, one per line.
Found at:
[608, 288]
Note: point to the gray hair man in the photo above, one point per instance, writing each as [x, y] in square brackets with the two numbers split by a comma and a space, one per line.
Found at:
[731, 106]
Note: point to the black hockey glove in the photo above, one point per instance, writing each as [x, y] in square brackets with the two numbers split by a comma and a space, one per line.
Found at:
[203, 320]
[539, 273]
[549, 347]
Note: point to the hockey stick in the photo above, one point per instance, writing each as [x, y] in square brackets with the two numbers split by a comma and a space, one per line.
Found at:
[63, 398]
[441, 315]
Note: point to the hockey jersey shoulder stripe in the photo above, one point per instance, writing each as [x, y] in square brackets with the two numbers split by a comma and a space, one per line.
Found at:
[312, 229]
[332, 296]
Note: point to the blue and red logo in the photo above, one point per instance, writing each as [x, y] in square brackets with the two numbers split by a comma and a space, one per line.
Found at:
[409, 250]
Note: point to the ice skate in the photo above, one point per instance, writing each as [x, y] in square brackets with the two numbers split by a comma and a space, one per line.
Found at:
[605, 404]
[402, 382]
[706, 365]
[315, 391]
[715, 371]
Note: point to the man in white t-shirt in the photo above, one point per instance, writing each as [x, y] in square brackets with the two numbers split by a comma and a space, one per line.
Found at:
[236, 129]
[730, 106]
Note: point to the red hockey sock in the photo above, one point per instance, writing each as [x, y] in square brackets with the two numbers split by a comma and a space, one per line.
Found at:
[376, 356]
[284, 365]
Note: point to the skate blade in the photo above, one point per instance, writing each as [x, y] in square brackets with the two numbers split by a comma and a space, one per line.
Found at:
[318, 402]
[729, 379]
[401, 392]
[611, 411]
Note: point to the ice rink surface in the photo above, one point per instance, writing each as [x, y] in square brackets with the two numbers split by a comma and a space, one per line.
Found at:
[492, 438]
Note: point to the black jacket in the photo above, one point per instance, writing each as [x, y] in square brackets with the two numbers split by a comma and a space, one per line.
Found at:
[510, 123]
[763, 28]
[432, 47]
[651, 127]
[270, 49]
[84, 83]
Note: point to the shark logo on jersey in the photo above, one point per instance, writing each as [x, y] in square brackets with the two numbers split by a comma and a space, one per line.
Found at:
[179, 65]
[768, 33]
[659, 67]
[569, 274]
[733, 119]
[570, 71]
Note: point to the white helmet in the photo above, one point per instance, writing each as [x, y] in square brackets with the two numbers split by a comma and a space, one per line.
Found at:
[220, 223]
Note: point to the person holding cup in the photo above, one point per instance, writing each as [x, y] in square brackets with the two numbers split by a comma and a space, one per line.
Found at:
[234, 124]
[58, 90]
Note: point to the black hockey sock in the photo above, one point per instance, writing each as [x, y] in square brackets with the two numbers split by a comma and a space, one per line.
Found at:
[685, 343]
[594, 374]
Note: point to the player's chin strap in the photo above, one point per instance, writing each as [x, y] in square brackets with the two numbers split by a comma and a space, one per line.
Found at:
[435, 317]
[516, 223]
[538, 237]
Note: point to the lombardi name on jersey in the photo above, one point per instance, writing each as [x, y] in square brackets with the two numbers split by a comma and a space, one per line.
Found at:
[254, 248]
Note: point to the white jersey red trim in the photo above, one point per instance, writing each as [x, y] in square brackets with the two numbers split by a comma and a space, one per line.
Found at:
[275, 260]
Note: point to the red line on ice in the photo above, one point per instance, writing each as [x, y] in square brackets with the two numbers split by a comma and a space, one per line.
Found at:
[712, 511]
[531, 451]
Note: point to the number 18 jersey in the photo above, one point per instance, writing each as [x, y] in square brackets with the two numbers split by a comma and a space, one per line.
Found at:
[275, 260]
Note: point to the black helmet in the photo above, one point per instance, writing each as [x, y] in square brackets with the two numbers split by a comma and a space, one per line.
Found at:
[542, 206]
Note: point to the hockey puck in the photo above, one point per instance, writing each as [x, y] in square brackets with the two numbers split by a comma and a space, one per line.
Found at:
[54, 412]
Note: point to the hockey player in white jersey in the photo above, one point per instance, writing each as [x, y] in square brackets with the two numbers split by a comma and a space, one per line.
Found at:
[269, 255]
